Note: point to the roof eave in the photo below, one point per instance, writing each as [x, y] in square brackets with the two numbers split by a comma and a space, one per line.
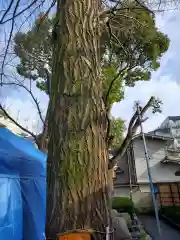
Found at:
[153, 136]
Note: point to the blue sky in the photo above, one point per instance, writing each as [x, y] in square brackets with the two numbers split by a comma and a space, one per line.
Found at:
[165, 84]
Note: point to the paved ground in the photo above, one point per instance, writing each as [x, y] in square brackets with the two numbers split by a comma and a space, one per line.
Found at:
[168, 233]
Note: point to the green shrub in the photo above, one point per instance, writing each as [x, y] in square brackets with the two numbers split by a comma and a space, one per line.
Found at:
[143, 236]
[172, 213]
[123, 204]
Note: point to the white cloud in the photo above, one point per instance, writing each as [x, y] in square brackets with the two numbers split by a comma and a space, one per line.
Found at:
[143, 91]
[21, 107]
[24, 113]
[164, 83]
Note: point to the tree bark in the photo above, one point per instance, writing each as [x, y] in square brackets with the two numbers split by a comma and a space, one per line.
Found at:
[77, 168]
[42, 139]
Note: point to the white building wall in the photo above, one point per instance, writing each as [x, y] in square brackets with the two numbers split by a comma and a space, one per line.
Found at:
[165, 123]
[163, 134]
[160, 172]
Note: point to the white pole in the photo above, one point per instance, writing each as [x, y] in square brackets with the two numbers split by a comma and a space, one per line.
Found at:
[107, 233]
[149, 172]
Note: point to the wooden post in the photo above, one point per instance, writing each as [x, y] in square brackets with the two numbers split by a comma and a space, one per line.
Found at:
[172, 197]
[178, 190]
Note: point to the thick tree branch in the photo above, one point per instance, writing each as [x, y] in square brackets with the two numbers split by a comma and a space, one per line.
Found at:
[134, 122]
[133, 126]
[113, 36]
[143, 111]
[42, 138]
[111, 85]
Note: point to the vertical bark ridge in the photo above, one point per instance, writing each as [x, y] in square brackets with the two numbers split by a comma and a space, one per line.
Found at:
[77, 192]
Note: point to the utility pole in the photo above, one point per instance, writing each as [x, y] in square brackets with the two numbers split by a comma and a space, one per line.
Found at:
[149, 171]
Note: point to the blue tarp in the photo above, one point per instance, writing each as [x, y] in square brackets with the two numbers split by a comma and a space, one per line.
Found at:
[22, 188]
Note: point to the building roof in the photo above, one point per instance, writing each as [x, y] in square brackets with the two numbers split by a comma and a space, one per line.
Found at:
[152, 135]
[174, 118]
[170, 126]
[170, 160]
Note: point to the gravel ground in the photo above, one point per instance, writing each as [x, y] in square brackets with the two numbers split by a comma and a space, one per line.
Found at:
[167, 232]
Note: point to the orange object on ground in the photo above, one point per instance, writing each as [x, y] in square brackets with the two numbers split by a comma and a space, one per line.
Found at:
[76, 236]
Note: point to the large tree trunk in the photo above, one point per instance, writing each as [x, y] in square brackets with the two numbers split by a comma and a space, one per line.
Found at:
[77, 192]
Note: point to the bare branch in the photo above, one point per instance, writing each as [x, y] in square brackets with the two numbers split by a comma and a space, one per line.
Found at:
[9, 40]
[47, 12]
[143, 6]
[19, 13]
[43, 137]
[134, 122]
[110, 12]
[113, 36]
[6, 11]
[16, 123]
[132, 129]
[20, 84]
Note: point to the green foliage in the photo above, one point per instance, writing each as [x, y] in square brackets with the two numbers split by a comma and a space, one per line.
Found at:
[143, 236]
[34, 49]
[117, 91]
[137, 45]
[123, 204]
[135, 54]
[157, 105]
[117, 129]
[171, 212]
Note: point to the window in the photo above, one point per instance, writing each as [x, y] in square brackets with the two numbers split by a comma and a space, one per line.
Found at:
[119, 170]
[177, 173]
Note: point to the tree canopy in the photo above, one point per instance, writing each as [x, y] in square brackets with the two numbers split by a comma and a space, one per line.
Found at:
[141, 46]
[131, 47]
